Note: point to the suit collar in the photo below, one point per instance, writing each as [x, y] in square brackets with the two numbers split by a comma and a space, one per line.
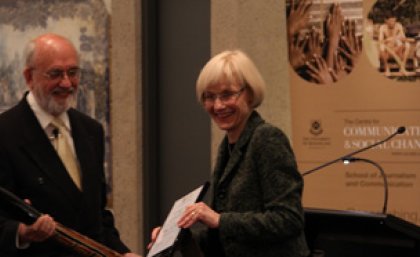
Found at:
[38, 147]
[85, 148]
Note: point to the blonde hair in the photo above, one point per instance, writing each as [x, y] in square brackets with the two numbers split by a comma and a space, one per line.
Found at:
[232, 67]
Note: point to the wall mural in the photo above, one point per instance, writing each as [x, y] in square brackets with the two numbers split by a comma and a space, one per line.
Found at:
[85, 22]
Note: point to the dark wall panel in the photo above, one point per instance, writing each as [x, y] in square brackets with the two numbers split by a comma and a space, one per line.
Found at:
[177, 140]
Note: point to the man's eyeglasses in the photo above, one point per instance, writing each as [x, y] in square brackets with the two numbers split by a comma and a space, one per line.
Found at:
[224, 97]
[55, 74]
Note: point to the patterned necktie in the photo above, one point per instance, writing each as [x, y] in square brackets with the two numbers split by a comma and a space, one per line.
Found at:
[64, 151]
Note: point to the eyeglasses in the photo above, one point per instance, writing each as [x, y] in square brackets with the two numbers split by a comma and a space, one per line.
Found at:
[55, 74]
[224, 97]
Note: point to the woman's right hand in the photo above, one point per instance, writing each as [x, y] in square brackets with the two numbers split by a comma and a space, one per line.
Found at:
[153, 237]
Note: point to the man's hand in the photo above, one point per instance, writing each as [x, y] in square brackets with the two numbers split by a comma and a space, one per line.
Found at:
[43, 228]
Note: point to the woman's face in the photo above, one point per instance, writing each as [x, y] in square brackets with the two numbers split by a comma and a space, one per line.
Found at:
[229, 107]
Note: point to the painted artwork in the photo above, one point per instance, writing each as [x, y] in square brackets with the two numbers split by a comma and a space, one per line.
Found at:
[393, 29]
[84, 22]
[324, 38]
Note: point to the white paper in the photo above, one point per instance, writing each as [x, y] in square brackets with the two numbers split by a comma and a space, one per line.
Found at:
[170, 230]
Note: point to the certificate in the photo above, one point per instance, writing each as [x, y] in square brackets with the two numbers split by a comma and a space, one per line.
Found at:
[170, 232]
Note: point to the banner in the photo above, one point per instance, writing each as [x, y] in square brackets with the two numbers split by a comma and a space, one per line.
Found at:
[355, 79]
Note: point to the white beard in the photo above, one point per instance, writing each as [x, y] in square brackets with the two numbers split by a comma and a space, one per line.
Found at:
[50, 105]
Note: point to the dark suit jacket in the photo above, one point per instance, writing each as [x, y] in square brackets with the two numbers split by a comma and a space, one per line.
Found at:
[31, 168]
[257, 189]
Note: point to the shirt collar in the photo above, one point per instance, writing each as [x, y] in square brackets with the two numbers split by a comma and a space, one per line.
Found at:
[44, 117]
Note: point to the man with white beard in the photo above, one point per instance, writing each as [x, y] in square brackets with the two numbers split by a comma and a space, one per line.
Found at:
[52, 155]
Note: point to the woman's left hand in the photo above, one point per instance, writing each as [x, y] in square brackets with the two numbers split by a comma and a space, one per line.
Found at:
[199, 212]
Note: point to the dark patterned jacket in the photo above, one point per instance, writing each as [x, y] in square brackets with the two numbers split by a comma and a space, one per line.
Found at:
[257, 189]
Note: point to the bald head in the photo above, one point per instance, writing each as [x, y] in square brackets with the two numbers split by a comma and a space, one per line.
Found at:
[52, 72]
[45, 47]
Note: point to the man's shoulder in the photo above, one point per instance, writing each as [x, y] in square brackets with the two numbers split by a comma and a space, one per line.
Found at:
[80, 115]
[82, 118]
[12, 115]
